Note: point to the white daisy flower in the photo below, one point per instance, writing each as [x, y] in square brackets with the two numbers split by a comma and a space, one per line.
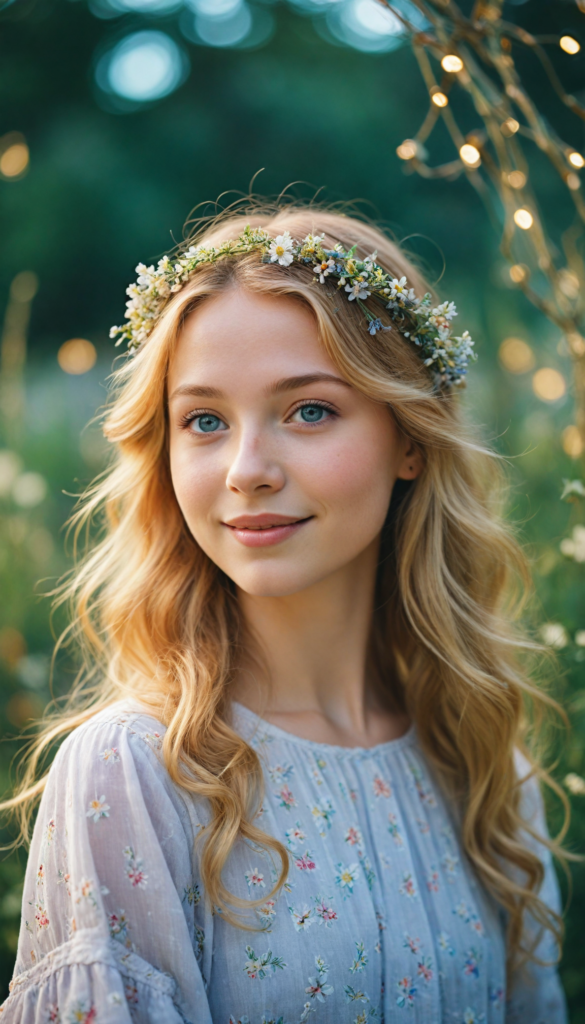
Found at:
[281, 250]
[323, 269]
[358, 289]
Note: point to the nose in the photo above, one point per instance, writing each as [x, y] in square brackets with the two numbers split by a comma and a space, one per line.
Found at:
[254, 467]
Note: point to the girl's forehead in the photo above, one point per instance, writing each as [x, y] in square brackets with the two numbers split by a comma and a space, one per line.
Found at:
[241, 335]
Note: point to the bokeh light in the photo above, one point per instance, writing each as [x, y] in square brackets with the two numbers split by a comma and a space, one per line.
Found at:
[367, 26]
[14, 156]
[29, 489]
[407, 150]
[24, 286]
[548, 384]
[572, 441]
[470, 155]
[576, 159]
[523, 218]
[142, 67]
[77, 356]
[516, 179]
[439, 98]
[569, 44]
[516, 355]
[452, 63]
[509, 127]
[519, 272]
[227, 29]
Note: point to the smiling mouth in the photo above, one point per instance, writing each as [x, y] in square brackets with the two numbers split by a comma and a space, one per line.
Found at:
[264, 530]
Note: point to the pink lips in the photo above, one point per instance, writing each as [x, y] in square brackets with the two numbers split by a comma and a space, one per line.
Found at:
[264, 529]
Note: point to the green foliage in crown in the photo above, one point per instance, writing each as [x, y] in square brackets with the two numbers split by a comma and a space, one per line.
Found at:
[427, 327]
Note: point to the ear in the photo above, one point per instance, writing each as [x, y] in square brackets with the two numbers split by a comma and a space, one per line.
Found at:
[412, 463]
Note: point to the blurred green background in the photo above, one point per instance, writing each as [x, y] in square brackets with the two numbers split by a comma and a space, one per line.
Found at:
[118, 117]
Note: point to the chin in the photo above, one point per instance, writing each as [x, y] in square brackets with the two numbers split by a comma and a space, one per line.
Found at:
[265, 581]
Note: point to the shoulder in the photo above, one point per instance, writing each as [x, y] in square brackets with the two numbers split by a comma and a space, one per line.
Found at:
[120, 747]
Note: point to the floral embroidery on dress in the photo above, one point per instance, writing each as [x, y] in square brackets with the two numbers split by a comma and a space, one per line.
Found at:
[322, 812]
[133, 868]
[118, 925]
[368, 871]
[471, 1016]
[41, 917]
[53, 1014]
[353, 836]
[433, 881]
[318, 987]
[110, 755]
[50, 831]
[394, 830]
[267, 913]
[346, 877]
[281, 773]
[413, 945]
[287, 799]
[361, 959]
[355, 995]
[63, 878]
[471, 963]
[192, 894]
[381, 787]
[424, 791]
[302, 919]
[444, 943]
[305, 861]
[98, 809]
[82, 1013]
[469, 917]
[497, 996]
[154, 739]
[424, 968]
[406, 992]
[85, 891]
[131, 994]
[324, 911]
[40, 874]
[259, 967]
[294, 835]
[407, 886]
[254, 879]
[450, 863]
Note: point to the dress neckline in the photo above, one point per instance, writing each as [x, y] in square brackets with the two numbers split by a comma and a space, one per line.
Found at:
[406, 740]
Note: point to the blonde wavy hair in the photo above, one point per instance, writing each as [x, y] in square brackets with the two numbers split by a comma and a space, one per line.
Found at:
[157, 620]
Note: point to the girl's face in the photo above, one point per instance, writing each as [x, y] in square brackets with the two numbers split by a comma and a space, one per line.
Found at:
[282, 470]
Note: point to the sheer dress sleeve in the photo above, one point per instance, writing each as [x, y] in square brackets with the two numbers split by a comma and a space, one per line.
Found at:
[113, 924]
[536, 995]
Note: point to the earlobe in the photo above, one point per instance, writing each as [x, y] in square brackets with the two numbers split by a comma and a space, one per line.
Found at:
[411, 464]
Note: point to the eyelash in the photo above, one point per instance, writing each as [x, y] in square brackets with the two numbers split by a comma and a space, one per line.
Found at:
[190, 416]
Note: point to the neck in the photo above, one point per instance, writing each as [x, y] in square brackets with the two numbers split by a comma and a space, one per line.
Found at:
[308, 672]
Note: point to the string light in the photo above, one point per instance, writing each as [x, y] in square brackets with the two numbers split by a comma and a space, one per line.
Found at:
[523, 218]
[407, 150]
[569, 44]
[492, 81]
[14, 155]
[439, 98]
[509, 127]
[470, 155]
[452, 64]
[516, 179]
[519, 272]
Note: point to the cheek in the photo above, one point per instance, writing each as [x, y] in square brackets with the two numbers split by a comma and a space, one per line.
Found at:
[355, 476]
[195, 484]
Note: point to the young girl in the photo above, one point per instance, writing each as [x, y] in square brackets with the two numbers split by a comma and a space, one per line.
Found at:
[296, 787]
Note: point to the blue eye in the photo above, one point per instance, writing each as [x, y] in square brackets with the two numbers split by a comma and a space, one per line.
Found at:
[206, 423]
[313, 413]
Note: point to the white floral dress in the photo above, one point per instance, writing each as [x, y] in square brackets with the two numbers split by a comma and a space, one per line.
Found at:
[381, 919]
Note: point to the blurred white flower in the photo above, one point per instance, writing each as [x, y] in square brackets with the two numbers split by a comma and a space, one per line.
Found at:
[554, 635]
[574, 547]
[580, 638]
[575, 784]
[29, 489]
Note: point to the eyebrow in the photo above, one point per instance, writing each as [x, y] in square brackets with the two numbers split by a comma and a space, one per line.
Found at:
[280, 386]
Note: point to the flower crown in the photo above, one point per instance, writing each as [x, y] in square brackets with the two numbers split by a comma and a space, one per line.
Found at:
[427, 327]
